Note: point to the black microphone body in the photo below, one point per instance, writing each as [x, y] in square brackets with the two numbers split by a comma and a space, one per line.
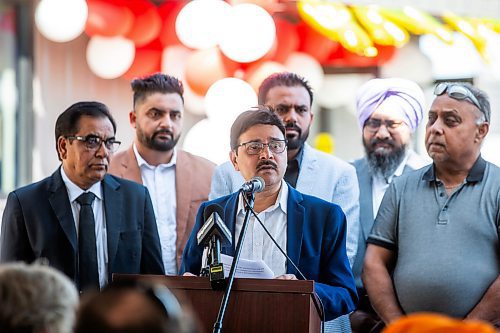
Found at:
[254, 185]
[213, 235]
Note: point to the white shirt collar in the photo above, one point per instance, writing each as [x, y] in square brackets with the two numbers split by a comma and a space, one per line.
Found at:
[142, 162]
[281, 201]
[74, 191]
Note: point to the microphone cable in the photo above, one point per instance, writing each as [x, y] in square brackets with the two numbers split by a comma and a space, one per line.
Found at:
[323, 319]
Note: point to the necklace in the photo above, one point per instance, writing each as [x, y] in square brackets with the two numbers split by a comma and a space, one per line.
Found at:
[450, 187]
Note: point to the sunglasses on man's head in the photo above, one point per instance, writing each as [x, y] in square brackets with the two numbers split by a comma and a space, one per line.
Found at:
[458, 92]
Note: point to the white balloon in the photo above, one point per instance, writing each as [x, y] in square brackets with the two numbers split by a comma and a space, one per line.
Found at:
[174, 63]
[110, 58]
[306, 66]
[249, 33]
[227, 98]
[199, 24]
[61, 20]
[208, 139]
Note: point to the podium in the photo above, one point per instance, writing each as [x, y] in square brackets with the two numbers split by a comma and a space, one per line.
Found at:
[255, 305]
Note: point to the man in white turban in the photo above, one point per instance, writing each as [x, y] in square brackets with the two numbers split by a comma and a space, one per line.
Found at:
[389, 111]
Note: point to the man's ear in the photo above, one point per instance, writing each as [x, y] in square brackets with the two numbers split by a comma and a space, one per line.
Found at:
[234, 160]
[62, 149]
[481, 132]
[132, 117]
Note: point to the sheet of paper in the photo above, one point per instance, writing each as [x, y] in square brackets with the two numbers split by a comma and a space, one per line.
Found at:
[249, 269]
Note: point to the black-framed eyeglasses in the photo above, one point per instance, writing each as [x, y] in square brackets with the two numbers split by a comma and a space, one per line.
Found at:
[373, 124]
[458, 92]
[93, 142]
[256, 147]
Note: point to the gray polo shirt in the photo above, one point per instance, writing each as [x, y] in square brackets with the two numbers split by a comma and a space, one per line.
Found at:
[448, 251]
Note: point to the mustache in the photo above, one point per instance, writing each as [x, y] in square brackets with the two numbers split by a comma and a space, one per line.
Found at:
[265, 163]
[376, 141]
[292, 126]
[163, 131]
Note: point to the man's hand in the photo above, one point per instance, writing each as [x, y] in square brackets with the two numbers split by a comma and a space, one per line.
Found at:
[286, 277]
[188, 274]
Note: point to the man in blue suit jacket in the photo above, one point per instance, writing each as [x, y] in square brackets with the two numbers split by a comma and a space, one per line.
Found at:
[41, 220]
[312, 231]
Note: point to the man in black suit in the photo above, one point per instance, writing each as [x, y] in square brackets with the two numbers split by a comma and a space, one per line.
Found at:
[49, 219]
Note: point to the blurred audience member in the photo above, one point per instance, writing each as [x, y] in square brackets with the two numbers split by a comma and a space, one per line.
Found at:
[36, 299]
[133, 307]
[436, 323]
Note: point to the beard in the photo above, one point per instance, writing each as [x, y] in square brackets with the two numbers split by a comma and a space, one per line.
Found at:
[384, 161]
[295, 142]
[152, 142]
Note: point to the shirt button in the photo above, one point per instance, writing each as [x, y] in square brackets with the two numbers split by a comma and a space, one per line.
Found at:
[441, 194]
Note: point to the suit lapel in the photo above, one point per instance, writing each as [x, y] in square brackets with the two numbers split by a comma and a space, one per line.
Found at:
[294, 230]
[365, 197]
[308, 170]
[230, 210]
[183, 190]
[113, 203]
[130, 166]
[61, 206]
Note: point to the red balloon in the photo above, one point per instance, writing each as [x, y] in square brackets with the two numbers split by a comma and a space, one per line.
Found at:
[287, 40]
[205, 67]
[343, 58]
[314, 43]
[168, 13]
[147, 23]
[147, 61]
[385, 53]
[108, 19]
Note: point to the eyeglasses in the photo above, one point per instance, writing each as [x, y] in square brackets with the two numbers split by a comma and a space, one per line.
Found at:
[255, 147]
[458, 92]
[373, 124]
[93, 142]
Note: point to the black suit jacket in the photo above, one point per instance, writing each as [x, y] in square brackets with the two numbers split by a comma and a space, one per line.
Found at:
[38, 223]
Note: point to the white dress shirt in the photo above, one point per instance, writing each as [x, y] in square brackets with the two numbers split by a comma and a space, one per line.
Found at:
[257, 245]
[160, 181]
[100, 222]
[380, 185]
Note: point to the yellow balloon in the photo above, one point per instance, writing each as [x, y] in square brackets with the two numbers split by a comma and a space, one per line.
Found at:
[381, 30]
[469, 29]
[418, 22]
[324, 142]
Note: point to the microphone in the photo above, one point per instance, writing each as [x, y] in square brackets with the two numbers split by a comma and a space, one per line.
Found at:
[254, 185]
[212, 235]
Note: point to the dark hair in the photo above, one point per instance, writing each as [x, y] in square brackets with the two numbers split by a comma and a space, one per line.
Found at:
[286, 79]
[162, 83]
[159, 311]
[260, 115]
[68, 121]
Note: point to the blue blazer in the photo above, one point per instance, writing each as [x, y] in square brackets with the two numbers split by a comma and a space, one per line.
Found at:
[38, 223]
[316, 239]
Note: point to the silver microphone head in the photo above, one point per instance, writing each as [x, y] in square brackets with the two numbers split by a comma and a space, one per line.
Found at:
[259, 184]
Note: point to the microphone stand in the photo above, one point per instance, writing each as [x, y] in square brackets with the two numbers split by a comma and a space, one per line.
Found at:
[225, 299]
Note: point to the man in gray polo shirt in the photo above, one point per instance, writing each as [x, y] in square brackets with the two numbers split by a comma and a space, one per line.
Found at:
[435, 243]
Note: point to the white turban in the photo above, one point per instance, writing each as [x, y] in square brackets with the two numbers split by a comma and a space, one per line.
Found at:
[405, 99]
